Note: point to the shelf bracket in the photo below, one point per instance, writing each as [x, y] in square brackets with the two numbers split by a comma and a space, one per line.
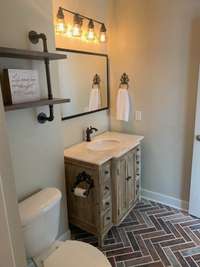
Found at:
[34, 37]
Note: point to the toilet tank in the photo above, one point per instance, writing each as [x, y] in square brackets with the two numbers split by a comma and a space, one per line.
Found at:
[40, 215]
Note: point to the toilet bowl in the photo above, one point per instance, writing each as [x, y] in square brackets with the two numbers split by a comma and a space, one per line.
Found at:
[40, 215]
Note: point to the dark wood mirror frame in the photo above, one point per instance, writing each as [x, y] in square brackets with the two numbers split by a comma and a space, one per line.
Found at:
[108, 81]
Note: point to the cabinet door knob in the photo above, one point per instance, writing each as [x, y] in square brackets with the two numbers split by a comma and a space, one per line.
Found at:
[107, 204]
[107, 188]
[106, 172]
[108, 218]
[128, 178]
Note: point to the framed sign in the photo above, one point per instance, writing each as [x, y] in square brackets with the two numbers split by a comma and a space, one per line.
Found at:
[20, 86]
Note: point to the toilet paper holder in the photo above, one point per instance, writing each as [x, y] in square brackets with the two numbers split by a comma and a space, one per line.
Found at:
[84, 177]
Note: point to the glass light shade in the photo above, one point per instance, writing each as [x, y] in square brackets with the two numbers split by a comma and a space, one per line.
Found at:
[60, 26]
[102, 37]
[76, 30]
[90, 34]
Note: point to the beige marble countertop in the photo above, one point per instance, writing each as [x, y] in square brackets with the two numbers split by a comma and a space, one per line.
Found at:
[83, 153]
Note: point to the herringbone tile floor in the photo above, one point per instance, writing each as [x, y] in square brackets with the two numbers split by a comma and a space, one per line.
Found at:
[151, 235]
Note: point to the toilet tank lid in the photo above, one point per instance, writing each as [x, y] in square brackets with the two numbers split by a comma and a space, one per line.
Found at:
[37, 204]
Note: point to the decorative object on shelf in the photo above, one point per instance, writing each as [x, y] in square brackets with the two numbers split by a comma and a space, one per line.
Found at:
[20, 86]
[6, 52]
[76, 29]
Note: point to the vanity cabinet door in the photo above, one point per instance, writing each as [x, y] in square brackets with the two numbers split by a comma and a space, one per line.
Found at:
[130, 178]
[124, 184]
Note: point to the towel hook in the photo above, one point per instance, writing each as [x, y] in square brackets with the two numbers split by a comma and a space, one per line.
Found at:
[124, 80]
[96, 80]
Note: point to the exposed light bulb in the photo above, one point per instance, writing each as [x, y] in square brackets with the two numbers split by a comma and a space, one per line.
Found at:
[76, 30]
[69, 31]
[60, 22]
[102, 36]
[91, 33]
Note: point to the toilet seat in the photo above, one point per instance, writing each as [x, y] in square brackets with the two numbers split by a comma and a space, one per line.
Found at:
[76, 254]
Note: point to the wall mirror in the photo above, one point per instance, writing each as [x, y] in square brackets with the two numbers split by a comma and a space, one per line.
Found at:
[83, 77]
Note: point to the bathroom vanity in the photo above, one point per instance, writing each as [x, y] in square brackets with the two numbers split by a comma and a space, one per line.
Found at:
[109, 170]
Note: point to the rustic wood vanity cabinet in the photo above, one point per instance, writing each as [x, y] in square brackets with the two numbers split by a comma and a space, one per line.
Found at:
[116, 183]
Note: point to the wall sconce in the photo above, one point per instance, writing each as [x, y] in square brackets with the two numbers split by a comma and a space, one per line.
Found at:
[76, 30]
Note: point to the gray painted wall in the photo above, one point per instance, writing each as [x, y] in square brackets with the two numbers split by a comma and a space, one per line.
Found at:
[11, 246]
[37, 150]
[157, 44]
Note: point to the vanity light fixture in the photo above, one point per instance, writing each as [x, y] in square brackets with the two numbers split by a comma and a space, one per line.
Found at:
[76, 29]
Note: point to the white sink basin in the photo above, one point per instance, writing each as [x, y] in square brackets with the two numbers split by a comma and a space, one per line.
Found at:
[103, 144]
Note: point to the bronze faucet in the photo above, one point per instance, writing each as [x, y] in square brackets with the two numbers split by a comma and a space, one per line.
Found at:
[89, 131]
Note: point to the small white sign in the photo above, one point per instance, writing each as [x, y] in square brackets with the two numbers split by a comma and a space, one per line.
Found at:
[24, 85]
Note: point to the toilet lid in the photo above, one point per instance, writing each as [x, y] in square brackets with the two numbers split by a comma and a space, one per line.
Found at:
[76, 254]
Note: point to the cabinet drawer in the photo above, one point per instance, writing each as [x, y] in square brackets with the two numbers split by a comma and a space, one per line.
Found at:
[106, 189]
[105, 172]
[107, 219]
[106, 204]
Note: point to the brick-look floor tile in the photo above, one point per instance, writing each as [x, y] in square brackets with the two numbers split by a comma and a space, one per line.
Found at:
[152, 235]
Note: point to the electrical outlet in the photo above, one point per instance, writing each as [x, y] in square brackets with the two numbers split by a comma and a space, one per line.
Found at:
[138, 115]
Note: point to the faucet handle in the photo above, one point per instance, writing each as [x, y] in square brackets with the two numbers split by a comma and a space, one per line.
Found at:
[95, 129]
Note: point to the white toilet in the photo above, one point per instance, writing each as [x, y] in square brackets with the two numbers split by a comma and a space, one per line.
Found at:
[40, 221]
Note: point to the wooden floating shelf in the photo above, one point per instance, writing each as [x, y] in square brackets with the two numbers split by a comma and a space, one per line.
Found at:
[39, 103]
[29, 54]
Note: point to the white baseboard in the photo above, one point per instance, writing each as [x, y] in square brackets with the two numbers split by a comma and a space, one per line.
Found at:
[165, 199]
[65, 236]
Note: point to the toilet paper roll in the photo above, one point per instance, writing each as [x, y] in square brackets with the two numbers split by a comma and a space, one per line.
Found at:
[79, 192]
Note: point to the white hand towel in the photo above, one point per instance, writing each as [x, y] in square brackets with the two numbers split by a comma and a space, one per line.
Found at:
[123, 105]
[95, 99]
